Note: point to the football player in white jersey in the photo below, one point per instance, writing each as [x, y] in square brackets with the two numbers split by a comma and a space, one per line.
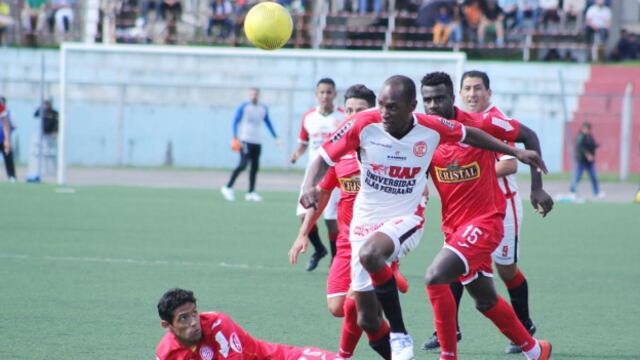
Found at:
[247, 139]
[394, 147]
[317, 126]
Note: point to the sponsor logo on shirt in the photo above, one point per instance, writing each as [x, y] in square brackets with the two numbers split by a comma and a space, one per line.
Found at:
[420, 148]
[236, 345]
[206, 353]
[447, 123]
[454, 173]
[366, 229]
[350, 185]
[397, 156]
[392, 179]
[343, 130]
[386, 146]
[216, 324]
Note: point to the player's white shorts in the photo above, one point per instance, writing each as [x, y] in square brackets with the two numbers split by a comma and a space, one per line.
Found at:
[330, 212]
[508, 252]
[406, 233]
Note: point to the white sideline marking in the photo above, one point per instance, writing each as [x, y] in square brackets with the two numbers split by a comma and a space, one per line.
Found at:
[141, 261]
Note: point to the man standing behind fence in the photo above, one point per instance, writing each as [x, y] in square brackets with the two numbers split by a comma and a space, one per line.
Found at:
[44, 142]
[247, 139]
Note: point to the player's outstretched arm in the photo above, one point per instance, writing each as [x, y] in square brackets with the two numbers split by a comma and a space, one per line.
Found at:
[541, 201]
[301, 242]
[298, 152]
[317, 170]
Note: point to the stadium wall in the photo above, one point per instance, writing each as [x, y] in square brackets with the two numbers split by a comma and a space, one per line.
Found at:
[190, 115]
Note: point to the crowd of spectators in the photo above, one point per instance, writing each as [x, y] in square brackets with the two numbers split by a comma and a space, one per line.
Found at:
[36, 19]
[220, 21]
[473, 20]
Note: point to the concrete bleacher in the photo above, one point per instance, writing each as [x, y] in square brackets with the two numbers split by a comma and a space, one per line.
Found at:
[601, 105]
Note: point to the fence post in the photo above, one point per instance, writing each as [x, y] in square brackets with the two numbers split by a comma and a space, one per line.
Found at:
[625, 132]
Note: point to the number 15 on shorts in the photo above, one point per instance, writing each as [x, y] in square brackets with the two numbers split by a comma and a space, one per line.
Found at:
[470, 235]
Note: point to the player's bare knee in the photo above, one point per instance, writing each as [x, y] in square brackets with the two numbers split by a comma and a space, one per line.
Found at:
[336, 309]
[433, 276]
[507, 272]
[368, 323]
[371, 258]
[486, 302]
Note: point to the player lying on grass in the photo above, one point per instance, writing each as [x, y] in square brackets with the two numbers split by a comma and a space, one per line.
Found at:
[394, 145]
[346, 176]
[473, 209]
[215, 336]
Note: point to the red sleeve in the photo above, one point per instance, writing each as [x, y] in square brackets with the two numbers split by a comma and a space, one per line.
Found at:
[495, 125]
[330, 180]
[449, 130]
[303, 137]
[2, 110]
[347, 137]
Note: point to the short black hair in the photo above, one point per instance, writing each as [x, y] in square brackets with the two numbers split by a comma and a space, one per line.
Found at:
[359, 91]
[408, 86]
[328, 81]
[438, 78]
[477, 74]
[171, 300]
[3, 99]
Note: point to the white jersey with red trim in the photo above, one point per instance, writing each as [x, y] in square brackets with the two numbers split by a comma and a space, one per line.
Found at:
[508, 184]
[316, 128]
[392, 171]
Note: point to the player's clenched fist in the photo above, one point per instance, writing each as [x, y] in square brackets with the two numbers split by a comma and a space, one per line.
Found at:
[309, 198]
[541, 201]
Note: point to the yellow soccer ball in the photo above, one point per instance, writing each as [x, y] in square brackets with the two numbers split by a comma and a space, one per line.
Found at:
[268, 25]
[638, 197]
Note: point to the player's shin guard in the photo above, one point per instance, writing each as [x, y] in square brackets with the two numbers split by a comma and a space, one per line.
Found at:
[379, 341]
[314, 239]
[444, 312]
[384, 283]
[332, 243]
[519, 294]
[351, 332]
[503, 316]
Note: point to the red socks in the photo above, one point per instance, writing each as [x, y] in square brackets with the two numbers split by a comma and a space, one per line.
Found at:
[444, 314]
[381, 276]
[503, 316]
[516, 281]
[351, 332]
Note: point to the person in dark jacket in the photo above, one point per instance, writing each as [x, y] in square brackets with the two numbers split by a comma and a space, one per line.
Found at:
[585, 159]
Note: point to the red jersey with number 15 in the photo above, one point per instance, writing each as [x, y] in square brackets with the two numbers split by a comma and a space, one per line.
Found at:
[465, 176]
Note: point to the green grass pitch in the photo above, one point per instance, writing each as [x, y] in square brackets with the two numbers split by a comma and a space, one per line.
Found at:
[81, 273]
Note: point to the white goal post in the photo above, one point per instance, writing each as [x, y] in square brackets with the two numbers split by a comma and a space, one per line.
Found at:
[118, 103]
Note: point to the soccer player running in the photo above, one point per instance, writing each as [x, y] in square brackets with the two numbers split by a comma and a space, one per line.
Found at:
[394, 146]
[345, 175]
[247, 139]
[475, 92]
[317, 126]
[473, 209]
[215, 336]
